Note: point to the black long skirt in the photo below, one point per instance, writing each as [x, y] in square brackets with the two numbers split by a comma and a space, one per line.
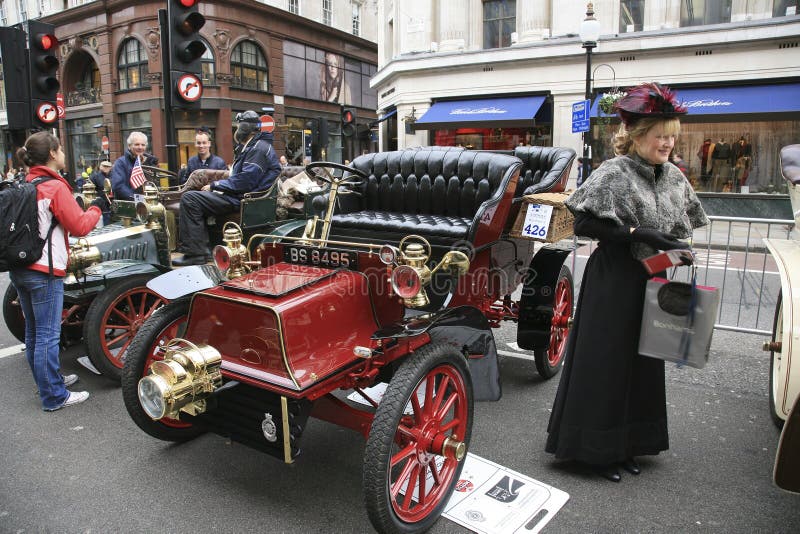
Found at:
[611, 403]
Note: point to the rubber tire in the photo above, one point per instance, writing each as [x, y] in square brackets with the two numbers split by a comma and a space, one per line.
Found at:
[136, 366]
[92, 333]
[773, 412]
[12, 314]
[378, 450]
[544, 367]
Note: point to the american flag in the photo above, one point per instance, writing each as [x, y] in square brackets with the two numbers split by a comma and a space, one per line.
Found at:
[137, 175]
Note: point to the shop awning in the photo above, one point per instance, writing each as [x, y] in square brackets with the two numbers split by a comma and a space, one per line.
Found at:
[776, 98]
[485, 112]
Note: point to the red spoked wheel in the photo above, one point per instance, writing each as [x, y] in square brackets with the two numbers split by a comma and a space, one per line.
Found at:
[113, 319]
[147, 346]
[548, 361]
[418, 441]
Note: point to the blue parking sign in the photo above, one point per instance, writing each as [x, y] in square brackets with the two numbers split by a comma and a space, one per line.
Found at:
[580, 116]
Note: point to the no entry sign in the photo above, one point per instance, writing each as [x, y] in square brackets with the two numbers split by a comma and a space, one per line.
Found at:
[267, 123]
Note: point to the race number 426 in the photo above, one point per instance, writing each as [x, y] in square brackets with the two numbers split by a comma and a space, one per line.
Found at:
[537, 220]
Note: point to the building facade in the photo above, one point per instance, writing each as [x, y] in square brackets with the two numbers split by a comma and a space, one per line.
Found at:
[493, 74]
[257, 57]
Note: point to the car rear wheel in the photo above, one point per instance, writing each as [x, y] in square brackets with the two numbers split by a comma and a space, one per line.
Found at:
[776, 373]
[113, 319]
[417, 444]
[549, 359]
[147, 346]
[12, 313]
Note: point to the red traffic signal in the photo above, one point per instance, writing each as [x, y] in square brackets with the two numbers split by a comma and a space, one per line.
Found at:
[348, 122]
[46, 41]
[187, 3]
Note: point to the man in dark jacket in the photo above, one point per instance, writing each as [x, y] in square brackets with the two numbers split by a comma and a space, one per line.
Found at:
[99, 178]
[255, 169]
[121, 173]
[204, 158]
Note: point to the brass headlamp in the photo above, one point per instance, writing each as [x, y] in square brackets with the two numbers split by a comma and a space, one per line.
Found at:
[412, 274]
[232, 257]
[88, 192]
[82, 255]
[182, 381]
[151, 210]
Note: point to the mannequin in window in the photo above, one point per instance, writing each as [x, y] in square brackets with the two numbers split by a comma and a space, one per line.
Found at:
[721, 169]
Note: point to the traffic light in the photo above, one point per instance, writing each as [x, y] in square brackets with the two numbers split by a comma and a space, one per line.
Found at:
[15, 76]
[186, 48]
[43, 67]
[348, 122]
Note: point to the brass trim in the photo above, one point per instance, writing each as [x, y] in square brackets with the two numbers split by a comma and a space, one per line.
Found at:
[284, 357]
[287, 443]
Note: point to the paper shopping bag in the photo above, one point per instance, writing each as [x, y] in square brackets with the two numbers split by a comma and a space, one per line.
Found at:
[678, 321]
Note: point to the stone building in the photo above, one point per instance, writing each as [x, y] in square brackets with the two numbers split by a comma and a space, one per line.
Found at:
[444, 65]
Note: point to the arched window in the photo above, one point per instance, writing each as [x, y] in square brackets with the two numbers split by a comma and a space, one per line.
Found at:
[208, 66]
[132, 65]
[249, 67]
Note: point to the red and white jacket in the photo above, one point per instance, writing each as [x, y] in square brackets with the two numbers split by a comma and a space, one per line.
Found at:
[54, 198]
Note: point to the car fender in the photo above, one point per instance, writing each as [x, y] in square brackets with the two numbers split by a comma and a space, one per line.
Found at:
[185, 281]
[787, 258]
[121, 268]
[467, 330]
[538, 292]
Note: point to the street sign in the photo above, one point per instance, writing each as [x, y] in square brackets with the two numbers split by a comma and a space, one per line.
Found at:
[580, 116]
[267, 123]
[60, 105]
[190, 88]
[104, 143]
[47, 113]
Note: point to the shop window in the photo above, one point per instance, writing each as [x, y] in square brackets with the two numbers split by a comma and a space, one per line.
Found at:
[84, 145]
[208, 66]
[785, 8]
[494, 138]
[631, 16]
[132, 65]
[701, 12]
[499, 21]
[249, 67]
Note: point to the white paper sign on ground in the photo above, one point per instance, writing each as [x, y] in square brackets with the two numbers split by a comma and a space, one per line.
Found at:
[537, 220]
[489, 498]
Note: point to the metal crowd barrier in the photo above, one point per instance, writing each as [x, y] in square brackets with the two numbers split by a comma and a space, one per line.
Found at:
[730, 255]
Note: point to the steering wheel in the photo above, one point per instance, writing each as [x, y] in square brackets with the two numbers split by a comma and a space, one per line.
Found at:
[327, 177]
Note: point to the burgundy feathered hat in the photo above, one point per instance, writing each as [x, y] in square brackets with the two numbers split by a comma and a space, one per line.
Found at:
[648, 100]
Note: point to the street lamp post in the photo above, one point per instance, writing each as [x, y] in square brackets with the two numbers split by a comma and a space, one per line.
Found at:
[589, 33]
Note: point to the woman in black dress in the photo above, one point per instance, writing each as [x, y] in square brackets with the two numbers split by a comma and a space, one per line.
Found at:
[611, 406]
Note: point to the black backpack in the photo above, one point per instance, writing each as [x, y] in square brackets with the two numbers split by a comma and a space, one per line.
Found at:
[20, 244]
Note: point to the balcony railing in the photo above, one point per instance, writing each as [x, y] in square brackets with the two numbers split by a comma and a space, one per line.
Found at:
[83, 97]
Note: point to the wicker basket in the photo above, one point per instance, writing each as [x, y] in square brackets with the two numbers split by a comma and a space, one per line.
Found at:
[561, 220]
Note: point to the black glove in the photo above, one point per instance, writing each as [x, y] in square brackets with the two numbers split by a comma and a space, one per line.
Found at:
[99, 202]
[657, 239]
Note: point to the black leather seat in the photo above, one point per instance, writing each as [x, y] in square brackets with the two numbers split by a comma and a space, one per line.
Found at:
[544, 169]
[439, 194]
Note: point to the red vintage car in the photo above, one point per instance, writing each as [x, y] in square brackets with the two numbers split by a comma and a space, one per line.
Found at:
[401, 280]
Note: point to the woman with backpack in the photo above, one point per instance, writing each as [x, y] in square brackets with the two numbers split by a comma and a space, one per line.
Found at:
[40, 285]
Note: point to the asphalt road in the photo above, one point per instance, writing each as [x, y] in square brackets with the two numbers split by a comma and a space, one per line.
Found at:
[90, 469]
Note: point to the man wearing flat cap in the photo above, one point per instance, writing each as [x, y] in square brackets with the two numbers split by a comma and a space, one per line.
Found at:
[255, 169]
[99, 178]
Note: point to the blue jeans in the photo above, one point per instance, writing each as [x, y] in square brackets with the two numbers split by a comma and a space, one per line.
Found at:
[42, 301]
